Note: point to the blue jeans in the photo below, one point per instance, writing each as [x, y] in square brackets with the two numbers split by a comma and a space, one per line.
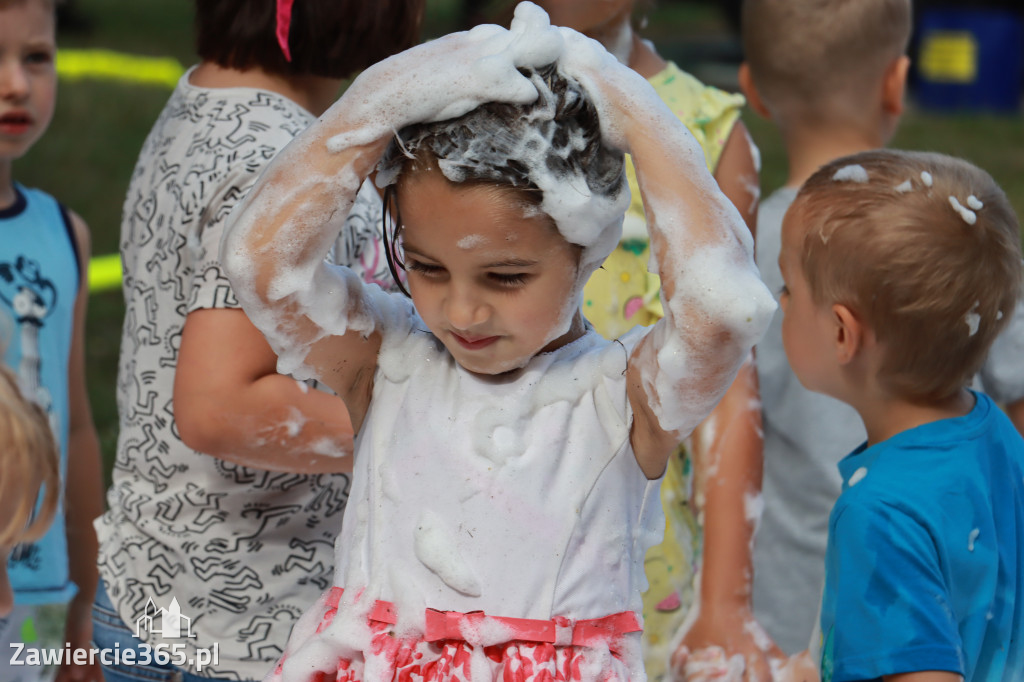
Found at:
[110, 632]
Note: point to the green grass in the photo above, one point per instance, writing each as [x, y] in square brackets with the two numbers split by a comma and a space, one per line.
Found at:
[88, 154]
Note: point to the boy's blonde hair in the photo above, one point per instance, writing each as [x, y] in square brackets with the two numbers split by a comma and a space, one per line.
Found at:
[925, 250]
[815, 60]
[28, 459]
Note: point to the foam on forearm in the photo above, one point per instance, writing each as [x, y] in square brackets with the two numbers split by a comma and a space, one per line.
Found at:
[274, 250]
[716, 306]
[717, 309]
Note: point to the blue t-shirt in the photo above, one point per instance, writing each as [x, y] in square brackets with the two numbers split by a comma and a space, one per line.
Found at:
[925, 554]
[39, 279]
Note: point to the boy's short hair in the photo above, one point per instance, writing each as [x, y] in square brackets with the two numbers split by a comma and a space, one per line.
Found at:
[817, 59]
[329, 38]
[28, 458]
[925, 250]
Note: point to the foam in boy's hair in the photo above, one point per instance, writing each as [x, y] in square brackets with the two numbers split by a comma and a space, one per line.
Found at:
[818, 59]
[28, 459]
[550, 151]
[924, 249]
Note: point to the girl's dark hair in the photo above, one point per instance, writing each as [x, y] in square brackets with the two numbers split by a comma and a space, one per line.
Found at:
[498, 144]
[329, 38]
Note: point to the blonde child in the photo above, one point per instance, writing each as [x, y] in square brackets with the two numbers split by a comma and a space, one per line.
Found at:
[705, 498]
[43, 257]
[508, 466]
[900, 269]
[29, 463]
[831, 75]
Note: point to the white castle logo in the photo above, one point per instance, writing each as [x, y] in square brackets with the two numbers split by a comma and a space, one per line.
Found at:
[169, 623]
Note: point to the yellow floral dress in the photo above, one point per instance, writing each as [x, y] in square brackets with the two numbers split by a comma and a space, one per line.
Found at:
[621, 295]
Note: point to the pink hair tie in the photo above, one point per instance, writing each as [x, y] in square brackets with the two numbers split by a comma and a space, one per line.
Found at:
[284, 24]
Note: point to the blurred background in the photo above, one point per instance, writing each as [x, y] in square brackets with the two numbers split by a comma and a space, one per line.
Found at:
[120, 58]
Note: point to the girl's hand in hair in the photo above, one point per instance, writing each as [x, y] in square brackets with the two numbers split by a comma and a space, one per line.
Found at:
[618, 92]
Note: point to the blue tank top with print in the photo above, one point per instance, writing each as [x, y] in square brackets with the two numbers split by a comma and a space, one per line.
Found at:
[39, 279]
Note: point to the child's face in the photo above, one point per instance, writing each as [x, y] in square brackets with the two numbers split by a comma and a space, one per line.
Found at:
[496, 287]
[806, 326]
[28, 78]
[587, 16]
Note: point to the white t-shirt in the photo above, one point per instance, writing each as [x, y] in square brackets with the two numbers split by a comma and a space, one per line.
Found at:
[518, 495]
[242, 551]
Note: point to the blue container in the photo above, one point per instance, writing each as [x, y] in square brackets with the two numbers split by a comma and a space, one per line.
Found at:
[969, 60]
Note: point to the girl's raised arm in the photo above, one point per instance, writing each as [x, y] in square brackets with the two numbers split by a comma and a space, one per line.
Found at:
[716, 306]
[319, 319]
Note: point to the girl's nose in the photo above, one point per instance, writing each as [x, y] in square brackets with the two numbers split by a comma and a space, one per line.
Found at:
[464, 309]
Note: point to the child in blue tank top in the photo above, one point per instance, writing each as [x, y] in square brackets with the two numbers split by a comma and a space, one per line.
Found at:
[43, 255]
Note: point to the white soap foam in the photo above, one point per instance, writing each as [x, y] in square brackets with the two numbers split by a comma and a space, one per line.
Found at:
[436, 548]
[852, 173]
[470, 241]
[969, 216]
[973, 319]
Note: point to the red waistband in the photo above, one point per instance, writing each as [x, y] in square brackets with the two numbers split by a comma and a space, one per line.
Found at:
[562, 631]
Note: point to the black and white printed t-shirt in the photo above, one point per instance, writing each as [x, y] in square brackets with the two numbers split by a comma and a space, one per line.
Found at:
[241, 552]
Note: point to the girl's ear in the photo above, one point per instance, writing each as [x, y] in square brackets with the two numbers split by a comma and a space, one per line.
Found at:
[848, 334]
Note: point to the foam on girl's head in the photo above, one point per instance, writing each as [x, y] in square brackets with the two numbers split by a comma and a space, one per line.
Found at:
[552, 147]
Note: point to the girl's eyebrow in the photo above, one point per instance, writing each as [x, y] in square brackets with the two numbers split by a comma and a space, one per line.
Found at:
[406, 248]
[504, 263]
[512, 263]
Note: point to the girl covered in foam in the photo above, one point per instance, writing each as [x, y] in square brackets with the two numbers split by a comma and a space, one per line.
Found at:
[507, 456]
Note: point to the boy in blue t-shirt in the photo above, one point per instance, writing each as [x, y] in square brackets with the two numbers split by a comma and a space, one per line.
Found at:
[901, 269]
